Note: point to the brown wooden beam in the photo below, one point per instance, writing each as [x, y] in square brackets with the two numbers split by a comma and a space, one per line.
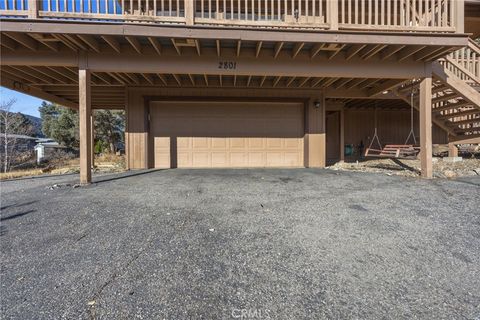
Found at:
[112, 42]
[208, 64]
[90, 41]
[278, 48]
[8, 43]
[258, 48]
[17, 85]
[155, 44]
[354, 50]
[135, 44]
[296, 49]
[426, 127]
[407, 38]
[23, 39]
[85, 126]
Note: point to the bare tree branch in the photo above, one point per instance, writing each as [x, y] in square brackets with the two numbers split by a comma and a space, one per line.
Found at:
[12, 125]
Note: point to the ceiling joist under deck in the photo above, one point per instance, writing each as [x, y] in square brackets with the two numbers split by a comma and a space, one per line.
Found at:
[186, 49]
[151, 45]
[41, 76]
[108, 89]
[255, 35]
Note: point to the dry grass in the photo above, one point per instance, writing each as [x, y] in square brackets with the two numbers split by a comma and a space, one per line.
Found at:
[441, 169]
[20, 174]
[104, 163]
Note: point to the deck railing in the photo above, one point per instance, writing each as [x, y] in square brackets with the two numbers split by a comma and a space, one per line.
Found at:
[136, 10]
[279, 13]
[398, 14]
[384, 15]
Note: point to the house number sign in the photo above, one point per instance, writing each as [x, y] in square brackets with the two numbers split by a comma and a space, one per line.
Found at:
[227, 65]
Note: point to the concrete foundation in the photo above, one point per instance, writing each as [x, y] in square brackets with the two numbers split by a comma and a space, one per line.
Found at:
[452, 159]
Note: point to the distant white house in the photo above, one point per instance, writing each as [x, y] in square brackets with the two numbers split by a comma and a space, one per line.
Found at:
[18, 142]
[45, 147]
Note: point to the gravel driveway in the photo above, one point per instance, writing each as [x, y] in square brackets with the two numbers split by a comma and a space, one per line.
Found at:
[240, 244]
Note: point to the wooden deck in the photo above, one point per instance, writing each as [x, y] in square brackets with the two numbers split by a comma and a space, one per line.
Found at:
[436, 16]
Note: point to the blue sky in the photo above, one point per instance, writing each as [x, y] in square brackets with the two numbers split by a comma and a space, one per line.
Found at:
[25, 103]
[68, 6]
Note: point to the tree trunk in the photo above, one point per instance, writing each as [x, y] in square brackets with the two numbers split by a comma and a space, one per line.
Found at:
[112, 147]
[5, 161]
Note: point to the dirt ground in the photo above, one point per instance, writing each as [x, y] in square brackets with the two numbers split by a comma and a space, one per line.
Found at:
[411, 168]
[103, 164]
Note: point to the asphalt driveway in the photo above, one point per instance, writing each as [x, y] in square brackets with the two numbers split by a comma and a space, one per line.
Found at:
[232, 244]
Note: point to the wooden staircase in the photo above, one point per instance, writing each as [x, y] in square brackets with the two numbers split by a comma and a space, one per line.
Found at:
[455, 93]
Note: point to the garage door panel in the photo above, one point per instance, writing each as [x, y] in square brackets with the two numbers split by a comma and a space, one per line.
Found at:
[238, 159]
[200, 143]
[256, 143]
[274, 143]
[219, 159]
[256, 159]
[184, 159]
[184, 143]
[293, 143]
[219, 143]
[274, 159]
[228, 134]
[201, 159]
[162, 152]
[238, 143]
[291, 158]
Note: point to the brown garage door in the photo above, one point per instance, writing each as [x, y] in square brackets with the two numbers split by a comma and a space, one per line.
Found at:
[226, 134]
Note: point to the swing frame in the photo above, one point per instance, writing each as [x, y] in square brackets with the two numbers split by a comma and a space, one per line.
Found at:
[394, 151]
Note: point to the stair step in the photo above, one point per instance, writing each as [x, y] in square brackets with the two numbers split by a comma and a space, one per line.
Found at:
[439, 88]
[443, 92]
[462, 122]
[450, 106]
[469, 131]
[445, 97]
[458, 114]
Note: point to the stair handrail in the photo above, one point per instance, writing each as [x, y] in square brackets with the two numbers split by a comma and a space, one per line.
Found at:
[474, 46]
[465, 63]
[452, 64]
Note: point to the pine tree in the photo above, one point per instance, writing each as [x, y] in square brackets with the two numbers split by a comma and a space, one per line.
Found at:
[60, 124]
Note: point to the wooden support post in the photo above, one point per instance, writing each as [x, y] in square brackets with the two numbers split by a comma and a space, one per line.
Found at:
[459, 17]
[452, 150]
[84, 105]
[342, 134]
[92, 140]
[190, 13]
[426, 127]
[333, 14]
[33, 9]
[127, 131]
[315, 143]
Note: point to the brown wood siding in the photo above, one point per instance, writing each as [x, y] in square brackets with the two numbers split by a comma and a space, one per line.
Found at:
[333, 135]
[393, 127]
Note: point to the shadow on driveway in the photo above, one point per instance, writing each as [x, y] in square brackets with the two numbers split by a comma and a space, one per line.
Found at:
[124, 175]
[16, 215]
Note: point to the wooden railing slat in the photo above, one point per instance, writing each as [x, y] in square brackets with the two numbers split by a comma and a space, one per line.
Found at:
[395, 15]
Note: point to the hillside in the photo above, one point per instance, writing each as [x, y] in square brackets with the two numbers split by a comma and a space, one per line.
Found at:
[36, 123]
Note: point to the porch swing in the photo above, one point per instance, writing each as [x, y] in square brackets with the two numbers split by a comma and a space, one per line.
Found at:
[394, 151]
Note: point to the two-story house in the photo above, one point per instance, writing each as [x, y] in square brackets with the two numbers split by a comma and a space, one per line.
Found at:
[252, 83]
